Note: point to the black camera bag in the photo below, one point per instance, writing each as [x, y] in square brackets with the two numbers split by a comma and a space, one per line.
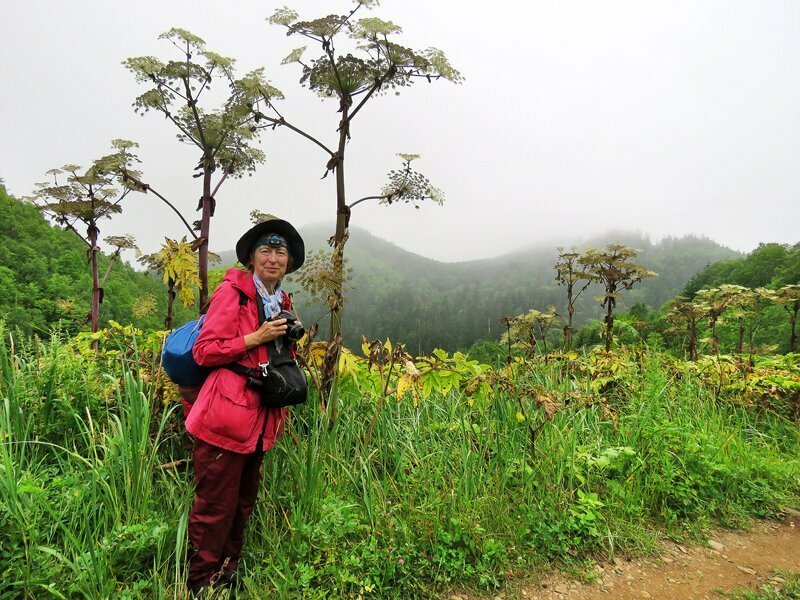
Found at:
[284, 383]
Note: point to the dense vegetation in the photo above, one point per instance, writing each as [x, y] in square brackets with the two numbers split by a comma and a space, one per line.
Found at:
[46, 279]
[464, 475]
[407, 473]
[747, 305]
[398, 295]
[425, 471]
[393, 294]
[428, 304]
[764, 324]
[769, 265]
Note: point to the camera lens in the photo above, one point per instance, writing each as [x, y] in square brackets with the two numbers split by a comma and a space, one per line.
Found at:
[295, 332]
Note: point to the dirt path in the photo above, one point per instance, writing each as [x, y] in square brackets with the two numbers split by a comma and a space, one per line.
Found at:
[731, 561]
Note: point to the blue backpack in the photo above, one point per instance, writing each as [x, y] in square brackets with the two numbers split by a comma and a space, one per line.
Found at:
[177, 359]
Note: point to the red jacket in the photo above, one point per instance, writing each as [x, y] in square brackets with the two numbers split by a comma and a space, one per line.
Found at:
[227, 413]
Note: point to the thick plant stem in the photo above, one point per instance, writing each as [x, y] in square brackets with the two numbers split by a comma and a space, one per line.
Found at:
[338, 272]
[609, 320]
[340, 239]
[693, 340]
[95, 314]
[205, 226]
[568, 328]
[170, 303]
[342, 219]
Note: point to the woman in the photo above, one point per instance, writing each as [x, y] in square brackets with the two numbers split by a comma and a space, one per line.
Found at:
[231, 428]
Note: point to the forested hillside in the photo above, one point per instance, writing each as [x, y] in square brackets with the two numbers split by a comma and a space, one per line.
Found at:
[393, 293]
[46, 280]
[427, 304]
[769, 265]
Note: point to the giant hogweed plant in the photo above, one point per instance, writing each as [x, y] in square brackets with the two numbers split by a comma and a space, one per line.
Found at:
[77, 198]
[355, 61]
[613, 267]
[223, 136]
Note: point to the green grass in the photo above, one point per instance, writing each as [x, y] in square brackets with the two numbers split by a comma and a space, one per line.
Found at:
[445, 493]
[784, 585]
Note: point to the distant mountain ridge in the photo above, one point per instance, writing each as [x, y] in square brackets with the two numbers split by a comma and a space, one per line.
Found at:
[394, 293]
[426, 303]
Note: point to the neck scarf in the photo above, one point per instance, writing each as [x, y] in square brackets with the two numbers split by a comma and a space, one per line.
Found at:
[272, 302]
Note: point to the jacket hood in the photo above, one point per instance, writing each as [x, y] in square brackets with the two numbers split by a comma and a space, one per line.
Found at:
[242, 280]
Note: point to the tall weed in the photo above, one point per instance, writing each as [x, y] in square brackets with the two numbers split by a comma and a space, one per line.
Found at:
[398, 502]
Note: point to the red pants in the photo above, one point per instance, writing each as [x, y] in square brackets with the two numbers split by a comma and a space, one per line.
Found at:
[226, 486]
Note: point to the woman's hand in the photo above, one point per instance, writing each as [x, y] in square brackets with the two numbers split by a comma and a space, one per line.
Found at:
[268, 331]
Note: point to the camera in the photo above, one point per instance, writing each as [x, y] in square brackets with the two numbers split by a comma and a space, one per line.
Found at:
[294, 330]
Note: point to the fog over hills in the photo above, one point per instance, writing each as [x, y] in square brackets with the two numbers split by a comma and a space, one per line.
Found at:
[426, 303]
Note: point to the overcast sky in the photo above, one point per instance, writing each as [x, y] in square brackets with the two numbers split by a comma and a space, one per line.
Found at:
[665, 117]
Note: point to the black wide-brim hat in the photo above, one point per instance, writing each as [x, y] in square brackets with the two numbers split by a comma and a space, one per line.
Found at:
[297, 248]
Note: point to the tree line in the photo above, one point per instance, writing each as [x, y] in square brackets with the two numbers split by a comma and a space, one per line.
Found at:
[427, 304]
[404, 297]
[45, 274]
[728, 315]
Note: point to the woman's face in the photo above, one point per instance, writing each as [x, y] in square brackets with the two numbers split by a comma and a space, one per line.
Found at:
[270, 263]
